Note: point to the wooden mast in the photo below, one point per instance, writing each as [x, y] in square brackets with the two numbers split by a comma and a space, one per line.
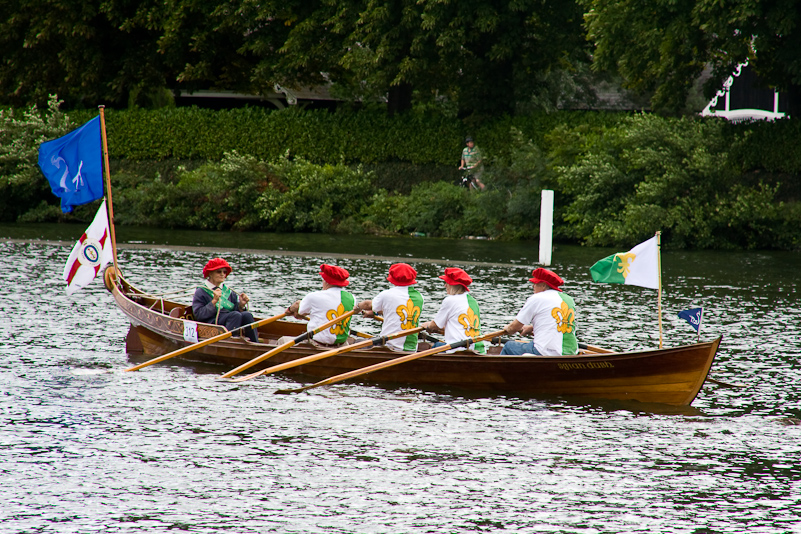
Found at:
[107, 173]
[659, 294]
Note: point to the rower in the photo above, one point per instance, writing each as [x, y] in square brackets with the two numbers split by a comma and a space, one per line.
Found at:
[215, 303]
[549, 315]
[329, 303]
[400, 306]
[458, 316]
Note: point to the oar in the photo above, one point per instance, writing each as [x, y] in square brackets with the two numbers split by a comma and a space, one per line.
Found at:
[599, 350]
[425, 334]
[725, 384]
[375, 342]
[291, 343]
[383, 365]
[209, 341]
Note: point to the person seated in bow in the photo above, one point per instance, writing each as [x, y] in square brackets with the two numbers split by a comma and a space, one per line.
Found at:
[458, 317]
[326, 304]
[549, 315]
[215, 303]
[400, 306]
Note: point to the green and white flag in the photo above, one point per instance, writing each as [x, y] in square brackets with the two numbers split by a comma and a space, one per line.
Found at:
[637, 267]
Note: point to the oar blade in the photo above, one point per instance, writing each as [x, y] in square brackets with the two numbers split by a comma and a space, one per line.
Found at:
[258, 359]
[190, 348]
[288, 391]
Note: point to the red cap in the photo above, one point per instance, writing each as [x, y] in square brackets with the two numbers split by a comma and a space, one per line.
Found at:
[336, 276]
[456, 277]
[402, 274]
[214, 264]
[545, 276]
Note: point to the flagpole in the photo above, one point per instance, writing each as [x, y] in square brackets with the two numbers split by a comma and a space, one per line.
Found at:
[700, 320]
[659, 269]
[108, 188]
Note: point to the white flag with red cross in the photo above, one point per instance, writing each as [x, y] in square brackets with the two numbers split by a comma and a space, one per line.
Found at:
[90, 254]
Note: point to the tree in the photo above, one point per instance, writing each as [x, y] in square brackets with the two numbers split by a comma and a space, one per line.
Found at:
[665, 45]
[21, 133]
[487, 56]
[483, 54]
[80, 50]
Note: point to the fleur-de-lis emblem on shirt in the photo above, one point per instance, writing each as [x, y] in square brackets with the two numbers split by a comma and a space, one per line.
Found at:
[470, 322]
[564, 318]
[624, 263]
[339, 328]
[409, 315]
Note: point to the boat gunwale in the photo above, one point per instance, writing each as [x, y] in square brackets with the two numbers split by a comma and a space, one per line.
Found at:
[468, 356]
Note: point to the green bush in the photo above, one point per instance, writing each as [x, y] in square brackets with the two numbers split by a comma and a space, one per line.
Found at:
[214, 196]
[673, 175]
[437, 209]
[22, 185]
[311, 198]
[617, 178]
[366, 136]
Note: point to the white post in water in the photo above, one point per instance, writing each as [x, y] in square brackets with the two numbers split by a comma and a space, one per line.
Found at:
[546, 227]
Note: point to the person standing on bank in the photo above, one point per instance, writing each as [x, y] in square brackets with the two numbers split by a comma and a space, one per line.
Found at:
[327, 304]
[216, 303]
[459, 316]
[472, 162]
[400, 306]
[549, 315]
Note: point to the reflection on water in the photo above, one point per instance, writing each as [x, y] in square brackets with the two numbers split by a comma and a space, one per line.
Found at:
[88, 448]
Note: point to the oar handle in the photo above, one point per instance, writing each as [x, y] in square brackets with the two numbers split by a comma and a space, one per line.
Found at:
[208, 341]
[375, 342]
[403, 359]
[425, 335]
[280, 348]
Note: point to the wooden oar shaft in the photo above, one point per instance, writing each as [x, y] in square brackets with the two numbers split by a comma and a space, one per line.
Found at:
[280, 348]
[403, 359]
[376, 341]
[599, 350]
[209, 341]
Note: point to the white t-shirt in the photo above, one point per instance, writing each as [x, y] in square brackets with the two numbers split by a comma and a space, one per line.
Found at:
[321, 307]
[401, 307]
[552, 315]
[459, 320]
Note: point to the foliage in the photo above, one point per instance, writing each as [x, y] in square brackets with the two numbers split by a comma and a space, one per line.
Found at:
[665, 46]
[213, 196]
[311, 198]
[367, 137]
[485, 56]
[669, 175]
[22, 185]
[83, 50]
[767, 146]
[617, 178]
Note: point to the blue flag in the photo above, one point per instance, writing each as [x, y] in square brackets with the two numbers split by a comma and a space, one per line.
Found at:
[693, 317]
[73, 165]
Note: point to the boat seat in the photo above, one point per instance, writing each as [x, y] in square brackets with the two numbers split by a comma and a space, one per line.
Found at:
[181, 312]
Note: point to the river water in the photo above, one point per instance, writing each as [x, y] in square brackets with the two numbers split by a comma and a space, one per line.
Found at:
[85, 447]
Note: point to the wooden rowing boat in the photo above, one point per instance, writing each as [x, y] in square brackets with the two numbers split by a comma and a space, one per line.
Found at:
[669, 376]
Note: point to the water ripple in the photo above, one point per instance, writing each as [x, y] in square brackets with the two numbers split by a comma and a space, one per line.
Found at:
[86, 448]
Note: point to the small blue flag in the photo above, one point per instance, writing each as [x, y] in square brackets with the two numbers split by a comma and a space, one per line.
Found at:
[73, 165]
[693, 317]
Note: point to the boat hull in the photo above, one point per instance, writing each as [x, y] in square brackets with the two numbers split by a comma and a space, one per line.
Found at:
[669, 376]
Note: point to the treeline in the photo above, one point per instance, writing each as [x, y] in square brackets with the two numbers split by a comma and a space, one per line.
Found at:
[617, 177]
[475, 56]
[478, 58]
